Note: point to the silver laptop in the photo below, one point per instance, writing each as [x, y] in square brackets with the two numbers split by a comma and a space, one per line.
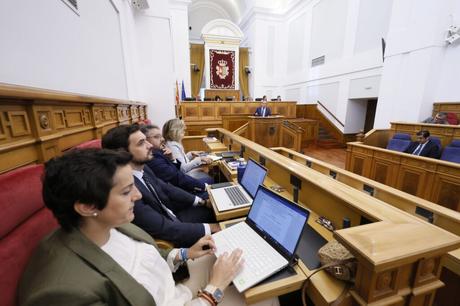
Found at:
[240, 195]
[268, 237]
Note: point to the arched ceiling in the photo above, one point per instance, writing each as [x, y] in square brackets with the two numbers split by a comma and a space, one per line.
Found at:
[202, 11]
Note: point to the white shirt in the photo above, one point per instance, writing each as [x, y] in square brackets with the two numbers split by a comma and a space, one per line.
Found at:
[145, 264]
[421, 146]
[140, 174]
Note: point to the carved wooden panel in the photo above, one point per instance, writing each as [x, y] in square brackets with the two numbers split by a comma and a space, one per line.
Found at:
[19, 123]
[409, 180]
[384, 171]
[207, 111]
[357, 164]
[59, 119]
[74, 117]
[427, 271]
[122, 112]
[222, 109]
[190, 111]
[238, 108]
[15, 124]
[446, 191]
[2, 127]
[252, 109]
[287, 139]
[385, 284]
[281, 110]
[134, 113]
[142, 112]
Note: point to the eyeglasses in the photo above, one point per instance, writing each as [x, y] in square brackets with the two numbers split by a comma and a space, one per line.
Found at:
[326, 223]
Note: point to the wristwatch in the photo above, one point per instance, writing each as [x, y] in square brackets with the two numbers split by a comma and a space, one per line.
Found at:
[216, 293]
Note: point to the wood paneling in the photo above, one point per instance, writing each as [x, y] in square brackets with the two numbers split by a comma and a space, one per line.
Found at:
[431, 179]
[447, 107]
[446, 133]
[223, 93]
[202, 115]
[36, 125]
[397, 265]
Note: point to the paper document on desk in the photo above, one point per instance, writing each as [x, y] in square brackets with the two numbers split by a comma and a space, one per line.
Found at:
[214, 157]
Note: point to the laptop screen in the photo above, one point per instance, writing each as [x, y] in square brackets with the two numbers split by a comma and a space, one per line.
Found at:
[279, 218]
[253, 176]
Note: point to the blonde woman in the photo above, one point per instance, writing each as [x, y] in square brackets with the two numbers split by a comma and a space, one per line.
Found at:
[190, 163]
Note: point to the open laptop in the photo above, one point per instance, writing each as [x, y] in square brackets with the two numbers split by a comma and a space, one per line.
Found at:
[268, 237]
[240, 195]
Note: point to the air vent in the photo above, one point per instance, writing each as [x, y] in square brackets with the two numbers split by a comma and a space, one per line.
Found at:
[318, 61]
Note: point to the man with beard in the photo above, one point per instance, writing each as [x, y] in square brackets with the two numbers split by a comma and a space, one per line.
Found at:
[165, 211]
[166, 167]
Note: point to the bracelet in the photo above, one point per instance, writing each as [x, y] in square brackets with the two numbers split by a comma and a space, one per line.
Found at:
[207, 296]
[183, 254]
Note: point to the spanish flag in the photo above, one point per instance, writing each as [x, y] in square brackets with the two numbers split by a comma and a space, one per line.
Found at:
[177, 93]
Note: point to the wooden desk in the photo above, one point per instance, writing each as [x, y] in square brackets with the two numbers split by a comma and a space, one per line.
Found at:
[216, 146]
[394, 263]
[435, 180]
[229, 173]
[335, 200]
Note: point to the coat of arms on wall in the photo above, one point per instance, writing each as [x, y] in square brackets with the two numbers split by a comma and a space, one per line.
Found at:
[222, 66]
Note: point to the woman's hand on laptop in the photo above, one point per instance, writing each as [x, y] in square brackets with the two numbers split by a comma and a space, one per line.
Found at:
[202, 247]
[225, 269]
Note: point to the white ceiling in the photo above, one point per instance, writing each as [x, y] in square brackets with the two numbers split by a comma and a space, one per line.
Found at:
[203, 11]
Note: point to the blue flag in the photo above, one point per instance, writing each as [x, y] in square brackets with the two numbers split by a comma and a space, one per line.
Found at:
[183, 91]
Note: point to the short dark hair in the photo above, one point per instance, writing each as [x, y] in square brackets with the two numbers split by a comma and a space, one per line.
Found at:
[424, 133]
[81, 175]
[148, 127]
[118, 137]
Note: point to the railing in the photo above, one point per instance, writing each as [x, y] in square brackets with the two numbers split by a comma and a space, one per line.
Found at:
[331, 114]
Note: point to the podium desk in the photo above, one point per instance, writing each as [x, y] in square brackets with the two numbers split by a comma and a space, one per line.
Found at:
[265, 130]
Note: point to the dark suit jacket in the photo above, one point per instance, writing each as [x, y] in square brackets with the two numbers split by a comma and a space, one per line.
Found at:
[69, 269]
[170, 172]
[152, 218]
[430, 149]
[258, 112]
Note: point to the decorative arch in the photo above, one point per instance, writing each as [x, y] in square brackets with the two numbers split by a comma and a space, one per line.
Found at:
[223, 30]
[222, 43]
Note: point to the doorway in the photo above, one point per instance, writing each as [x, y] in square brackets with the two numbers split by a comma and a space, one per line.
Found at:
[370, 115]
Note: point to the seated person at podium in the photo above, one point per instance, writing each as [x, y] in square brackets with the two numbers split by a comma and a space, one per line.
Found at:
[166, 167]
[97, 257]
[190, 163]
[424, 146]
[217, 98]
[263, 110]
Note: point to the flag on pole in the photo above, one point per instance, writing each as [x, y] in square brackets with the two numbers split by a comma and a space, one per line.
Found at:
[177, 93]
[183, 91]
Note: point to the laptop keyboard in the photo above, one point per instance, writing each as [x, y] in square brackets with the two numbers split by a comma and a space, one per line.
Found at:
[259, 257]
[236, 196]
